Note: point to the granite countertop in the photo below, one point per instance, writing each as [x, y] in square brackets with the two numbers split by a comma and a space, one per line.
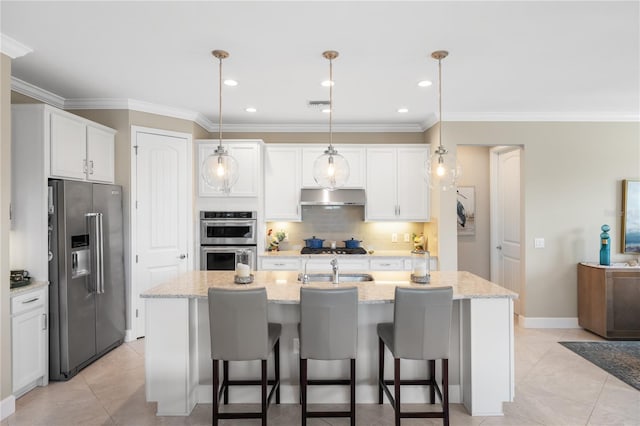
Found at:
[283, 286]
[34, 285]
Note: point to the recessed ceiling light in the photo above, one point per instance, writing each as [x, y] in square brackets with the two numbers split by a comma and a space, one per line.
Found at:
[403, 110]
[230, 83]
[250, 109]
[424, 83]
[326, 110]
[327, 83]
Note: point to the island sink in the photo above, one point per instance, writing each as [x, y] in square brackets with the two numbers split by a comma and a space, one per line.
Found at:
[344, 277]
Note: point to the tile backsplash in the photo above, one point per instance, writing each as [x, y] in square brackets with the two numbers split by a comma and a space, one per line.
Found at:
[342, 223]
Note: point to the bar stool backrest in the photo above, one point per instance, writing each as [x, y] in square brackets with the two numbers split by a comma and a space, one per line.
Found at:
[422, 322]
[238, 324]
[328, 323]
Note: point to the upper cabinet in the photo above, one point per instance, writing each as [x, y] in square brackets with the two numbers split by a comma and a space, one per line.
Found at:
[248, 154]
[282, 183]
[396, 187]
[80, 149]
[354, 154]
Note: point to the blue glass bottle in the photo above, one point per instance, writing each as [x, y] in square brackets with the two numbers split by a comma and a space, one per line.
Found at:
[605, 249]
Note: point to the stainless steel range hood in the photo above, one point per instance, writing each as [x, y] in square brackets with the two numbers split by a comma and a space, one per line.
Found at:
[338, 197]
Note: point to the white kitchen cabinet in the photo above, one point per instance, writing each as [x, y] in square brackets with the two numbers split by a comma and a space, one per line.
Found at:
[354, 154]
[279, 263]
[80, 149]
[282, 183]
[29, 340]
[396, 188]
[100, 155]
[388, 264]
[248, 154]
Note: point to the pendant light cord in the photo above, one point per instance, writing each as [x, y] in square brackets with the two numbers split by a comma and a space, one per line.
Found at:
[331, 104]
[220, 103]
[440, 100]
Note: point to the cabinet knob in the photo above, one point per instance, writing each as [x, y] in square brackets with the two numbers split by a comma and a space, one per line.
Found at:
[182, 256]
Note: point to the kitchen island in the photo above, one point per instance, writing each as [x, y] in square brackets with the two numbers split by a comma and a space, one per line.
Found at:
[177, 347]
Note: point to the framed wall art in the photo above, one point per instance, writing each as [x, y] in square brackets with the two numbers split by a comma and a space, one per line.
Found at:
[466, 210]
[631, 216]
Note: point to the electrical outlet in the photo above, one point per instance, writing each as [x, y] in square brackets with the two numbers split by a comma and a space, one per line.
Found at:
[296, 345]
[407, 237]
[394, 237]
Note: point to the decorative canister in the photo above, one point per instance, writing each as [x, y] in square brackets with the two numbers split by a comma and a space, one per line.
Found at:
[420, 266]
[243, 267]
[605, 247]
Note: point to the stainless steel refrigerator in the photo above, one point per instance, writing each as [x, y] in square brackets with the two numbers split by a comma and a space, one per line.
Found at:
[86, 274]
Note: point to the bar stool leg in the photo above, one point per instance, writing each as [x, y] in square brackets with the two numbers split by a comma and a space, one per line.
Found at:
[225, 381]
[445, 391]
[353, 392]
[276, 358]
[303, 389]
[396, 385]
[432, 379]
[264, 392]
[380, 369]
[214, 414]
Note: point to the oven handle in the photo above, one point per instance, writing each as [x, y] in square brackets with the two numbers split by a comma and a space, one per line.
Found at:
[223, 222]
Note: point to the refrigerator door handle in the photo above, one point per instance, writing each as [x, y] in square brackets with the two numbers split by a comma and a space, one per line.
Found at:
[99, 253]
[97, 247]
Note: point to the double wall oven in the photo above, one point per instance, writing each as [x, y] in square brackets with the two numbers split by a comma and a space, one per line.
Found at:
[223, 235]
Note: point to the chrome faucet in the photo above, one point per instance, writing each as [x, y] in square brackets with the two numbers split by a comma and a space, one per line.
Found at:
[305, 276]
[336, 273]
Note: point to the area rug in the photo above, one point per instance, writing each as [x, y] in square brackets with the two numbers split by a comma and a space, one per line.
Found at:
[620, 359]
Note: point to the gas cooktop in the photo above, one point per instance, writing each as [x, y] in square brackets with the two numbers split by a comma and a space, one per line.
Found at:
[327, 250]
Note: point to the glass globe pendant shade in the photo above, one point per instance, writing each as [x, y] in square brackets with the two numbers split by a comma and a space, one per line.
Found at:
[442, 172]
[331, 170]
[220, 170]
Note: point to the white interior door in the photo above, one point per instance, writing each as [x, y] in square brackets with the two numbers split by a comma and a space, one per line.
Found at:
[506, 220]
[162, 204]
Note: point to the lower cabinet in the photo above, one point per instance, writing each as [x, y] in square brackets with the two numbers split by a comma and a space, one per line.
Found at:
[608, 300]
[279, 264]
[29, 340]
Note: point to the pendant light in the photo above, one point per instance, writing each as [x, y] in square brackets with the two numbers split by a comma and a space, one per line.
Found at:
[220, 170]
[331, 170]
[441, 172]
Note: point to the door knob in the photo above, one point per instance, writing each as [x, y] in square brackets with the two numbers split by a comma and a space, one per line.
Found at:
[182, 256]
[499, 247]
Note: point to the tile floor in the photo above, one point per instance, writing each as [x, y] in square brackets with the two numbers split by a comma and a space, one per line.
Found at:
[554, 386]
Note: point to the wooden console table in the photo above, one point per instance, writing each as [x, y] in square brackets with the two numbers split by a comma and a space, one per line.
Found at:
[609, 300]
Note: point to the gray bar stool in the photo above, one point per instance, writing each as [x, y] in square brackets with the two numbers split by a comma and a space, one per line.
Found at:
[420, 331]
[240, 331]
[328, 331]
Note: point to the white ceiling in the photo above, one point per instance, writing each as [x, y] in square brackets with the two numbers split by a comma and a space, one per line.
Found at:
[509, 60]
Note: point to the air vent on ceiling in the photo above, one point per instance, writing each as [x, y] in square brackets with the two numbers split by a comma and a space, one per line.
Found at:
[318, 104]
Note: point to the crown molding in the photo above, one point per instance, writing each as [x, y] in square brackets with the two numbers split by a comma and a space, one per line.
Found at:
[429, 122]
[36, 92]
[595, 116]
[320, 128]
[13, 48]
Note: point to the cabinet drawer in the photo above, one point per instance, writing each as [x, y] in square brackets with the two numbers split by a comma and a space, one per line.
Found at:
[279, 264]
[387, 264]
[27, 301]
[323, 264]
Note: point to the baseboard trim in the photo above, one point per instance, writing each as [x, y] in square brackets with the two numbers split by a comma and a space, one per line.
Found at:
[542, 322]
[7, 407]
[128, 335]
